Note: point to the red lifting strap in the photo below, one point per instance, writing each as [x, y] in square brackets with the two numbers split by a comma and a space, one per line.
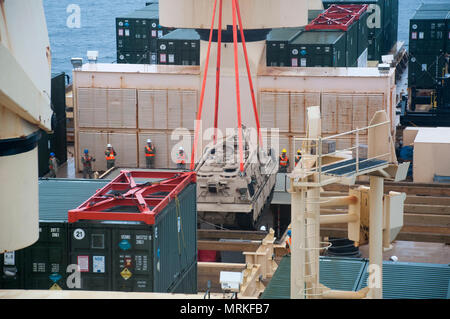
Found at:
[219, 49]
[202, 94]
[252, 91]
[238, 97]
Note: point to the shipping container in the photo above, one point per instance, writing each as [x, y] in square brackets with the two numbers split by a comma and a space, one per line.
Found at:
[122, 252]
[375, 44]
[428, 32]
[447, 46]
[277, 53]
[137, 34]
[380, 14]
[188, 282]
[12, 270]
[342, 18]
[43, 265]
[424, 70]
[377, 16]
[140, 57]
[318, 49]
[179, 47]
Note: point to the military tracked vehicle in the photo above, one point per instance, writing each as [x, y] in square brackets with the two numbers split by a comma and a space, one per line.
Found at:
[225, 195]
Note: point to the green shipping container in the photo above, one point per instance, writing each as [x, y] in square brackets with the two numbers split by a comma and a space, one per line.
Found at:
[363, 33]
[179, 47]
[130, 256]
[277, 53]
[423, 70]
[428, 32]
[137, 33]
[12, 270]
[318, 49]
[447, 46]
[374, 47]
[188, 282]
[43, 265]
[134, 57]
[377, 17]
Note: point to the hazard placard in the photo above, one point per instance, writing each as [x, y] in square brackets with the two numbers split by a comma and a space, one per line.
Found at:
[126, 274]
[55, 287]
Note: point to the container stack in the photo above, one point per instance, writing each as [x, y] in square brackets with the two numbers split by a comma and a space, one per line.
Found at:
[277, 53]
[179, 47]
[382, 22]
[118, 244]
[137, 34]
[350, 20]
[429, 41]
[337, 37]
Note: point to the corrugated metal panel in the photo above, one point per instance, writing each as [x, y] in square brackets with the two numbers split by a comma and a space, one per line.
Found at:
[175, 140]
[190, 106]
[328, 112]
[188, 282]
[121, 108]
[175, 109]
[274, 110]
[58, 196]
[152, 109]
[91, 107]
[299, 102]
[159, 140]
[167, 109]
[176, 239]
[126, 146]
[345, 112]
[335, 273]
[413, 280]
[96, 144]
[112, 108]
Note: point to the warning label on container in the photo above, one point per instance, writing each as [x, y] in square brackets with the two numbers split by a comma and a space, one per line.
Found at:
[9, 258]
[98, 264]
[55, 287]
[83, 263]
[126, 274]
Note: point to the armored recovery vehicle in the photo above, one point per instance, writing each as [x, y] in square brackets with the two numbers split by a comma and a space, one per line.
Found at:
[227, 196]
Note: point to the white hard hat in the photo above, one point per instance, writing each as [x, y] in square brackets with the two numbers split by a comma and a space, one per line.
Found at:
[181, 148]
[109, 145]
[149, 140]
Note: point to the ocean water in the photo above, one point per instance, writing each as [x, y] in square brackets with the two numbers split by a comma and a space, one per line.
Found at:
[97, 27]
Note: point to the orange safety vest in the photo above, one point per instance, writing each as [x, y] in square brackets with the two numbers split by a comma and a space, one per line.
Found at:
[181, 158]
[110, 156]
[149, 151]
[283, 160]
[289, 244]
[297, 159]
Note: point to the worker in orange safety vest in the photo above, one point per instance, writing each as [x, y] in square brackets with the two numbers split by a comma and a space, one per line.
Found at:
[289, 241]
[110, 155]
[150, 153]
[181, 159]
[298, 157]
[283, 162]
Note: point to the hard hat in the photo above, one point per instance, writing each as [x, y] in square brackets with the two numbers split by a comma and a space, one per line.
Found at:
[149, 140]
[298, 151]
[109, 145]
[263, 228]
[289, 232]
[181, 148]
[86, 151]
[52, 154]
[284, 150]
